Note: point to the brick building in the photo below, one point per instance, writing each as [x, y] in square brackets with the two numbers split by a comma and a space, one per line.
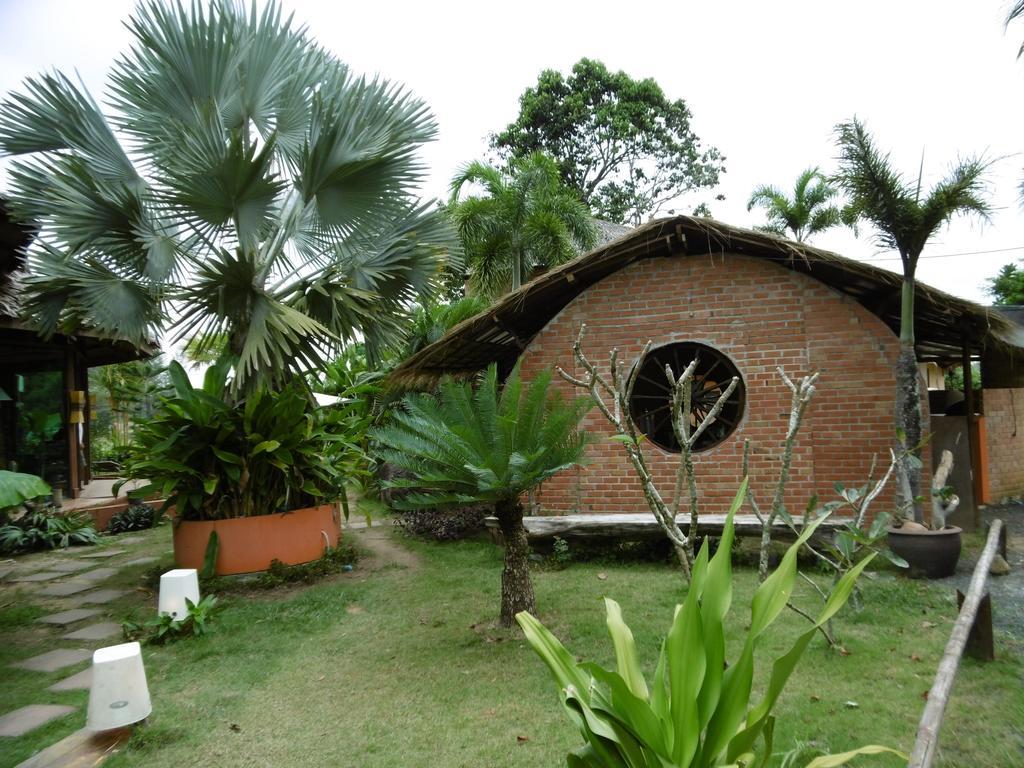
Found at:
[744, 303]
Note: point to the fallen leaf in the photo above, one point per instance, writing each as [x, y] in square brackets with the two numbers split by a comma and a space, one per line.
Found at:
[924, 695]
[843, 651]
[354, 609]
[815, 697]
[235, 727]
[851, 705]
[602, 576]
[927, 625]
[321, 678]
[914, 657]
[521, 739]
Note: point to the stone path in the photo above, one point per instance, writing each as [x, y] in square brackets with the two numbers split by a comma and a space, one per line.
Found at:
[74, 583]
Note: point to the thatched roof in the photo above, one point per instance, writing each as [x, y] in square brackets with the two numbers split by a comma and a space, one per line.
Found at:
[944, 323]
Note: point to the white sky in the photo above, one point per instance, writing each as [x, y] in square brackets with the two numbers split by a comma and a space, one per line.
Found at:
[765, 81]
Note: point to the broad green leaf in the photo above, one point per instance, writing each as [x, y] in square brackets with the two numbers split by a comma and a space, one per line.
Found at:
[625, 650]
[835, 761]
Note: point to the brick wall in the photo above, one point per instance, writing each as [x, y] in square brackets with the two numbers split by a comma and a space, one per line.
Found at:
[761, 315]
[1004, 430]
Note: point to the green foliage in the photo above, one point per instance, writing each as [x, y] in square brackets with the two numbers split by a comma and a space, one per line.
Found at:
[878, 194]
[954, 377]
[483, 446]
[1008, 286]
[432, 321]
[527, 219]
[272, 452]
[46, 528]
[698, 710]
[807, 213]
[165, 628]
[244, 177]
[209, 569]
[136, 517]
[620, 143]
[335, 560]
[18, 487]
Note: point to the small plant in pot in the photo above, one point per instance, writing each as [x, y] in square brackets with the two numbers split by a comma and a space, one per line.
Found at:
[262, 472]
[934, 551]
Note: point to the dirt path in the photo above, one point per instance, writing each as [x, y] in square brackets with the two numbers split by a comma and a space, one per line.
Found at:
[383, 550]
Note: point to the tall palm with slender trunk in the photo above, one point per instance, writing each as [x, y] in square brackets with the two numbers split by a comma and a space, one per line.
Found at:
[805, 214]
[905, 220]
[526, 218]
[245, 188]
[487, 445]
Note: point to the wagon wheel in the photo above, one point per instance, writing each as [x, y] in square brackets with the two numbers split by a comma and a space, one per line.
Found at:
[652, 394]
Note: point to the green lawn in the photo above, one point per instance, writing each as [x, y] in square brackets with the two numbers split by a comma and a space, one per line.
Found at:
[405, 667]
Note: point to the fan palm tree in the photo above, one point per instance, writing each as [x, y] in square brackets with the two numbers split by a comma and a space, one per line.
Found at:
[905, 221]
[806, 214]
[246, 186]
[526, 219]
[489, 446]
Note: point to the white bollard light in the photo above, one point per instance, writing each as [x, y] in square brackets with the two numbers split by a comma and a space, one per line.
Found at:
[119, 695]
[175, 586]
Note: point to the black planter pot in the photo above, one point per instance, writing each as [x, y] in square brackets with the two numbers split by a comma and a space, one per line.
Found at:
[932, 554]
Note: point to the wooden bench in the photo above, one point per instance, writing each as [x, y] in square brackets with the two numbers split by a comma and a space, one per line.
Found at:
[641, 526]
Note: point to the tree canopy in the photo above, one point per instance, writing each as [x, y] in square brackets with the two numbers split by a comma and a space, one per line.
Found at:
[526, 219]
[245, 186]
[1008, 286]
[625, 147]
[808, 212]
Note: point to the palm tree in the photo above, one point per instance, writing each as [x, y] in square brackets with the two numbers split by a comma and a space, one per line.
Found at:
[485, 446]
[905, 222]
[805, 214]
[1016, 11]
[246, 187]
[527, 219]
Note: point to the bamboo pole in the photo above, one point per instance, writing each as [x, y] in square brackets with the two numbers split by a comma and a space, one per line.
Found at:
[938, 696]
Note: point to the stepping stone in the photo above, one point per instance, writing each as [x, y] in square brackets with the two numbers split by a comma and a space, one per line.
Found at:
[94, 631]
[77, 682]
[63, 590]
[101, 596]
[68, 617]
[129, 540]
[82, 749]
[71, 567]
[96, 575]
[141, 561]
[51, 661]
[41, 576]
[104, 553]
[31, 717]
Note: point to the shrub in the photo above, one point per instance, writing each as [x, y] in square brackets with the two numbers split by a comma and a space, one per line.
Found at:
[444, 524]
[137, 517]
[46, 528]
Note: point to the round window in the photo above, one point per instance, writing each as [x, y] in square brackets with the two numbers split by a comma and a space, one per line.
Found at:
[651, 402]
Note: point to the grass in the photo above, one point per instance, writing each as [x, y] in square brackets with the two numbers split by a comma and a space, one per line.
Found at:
[407, 667]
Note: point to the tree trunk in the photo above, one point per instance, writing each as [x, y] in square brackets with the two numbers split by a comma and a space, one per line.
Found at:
[908, 391]
[516, 587]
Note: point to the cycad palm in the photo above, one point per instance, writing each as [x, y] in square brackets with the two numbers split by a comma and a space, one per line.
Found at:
[905, 221]
[490, 445]
[262, 193]
[526, 219]
[806, 214]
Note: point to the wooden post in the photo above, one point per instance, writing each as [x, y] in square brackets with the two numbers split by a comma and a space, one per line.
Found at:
[980, 641]
[972, 448]
[931, 720]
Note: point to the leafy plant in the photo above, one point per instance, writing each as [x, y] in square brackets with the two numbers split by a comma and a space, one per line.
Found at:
[698, 710]
[807, 213]
[485, 446]
[136, 517]
[245, 187]
[46, 528]
[444, 524]
[165, 628]
[526, 219]
[272, 452]
[18, 487]
[334, 560]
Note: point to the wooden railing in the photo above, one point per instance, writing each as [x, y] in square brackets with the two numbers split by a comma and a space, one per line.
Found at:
[965, 626]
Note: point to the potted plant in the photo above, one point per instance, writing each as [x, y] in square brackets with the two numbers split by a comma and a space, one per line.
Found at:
[262, 472]
[932, 551]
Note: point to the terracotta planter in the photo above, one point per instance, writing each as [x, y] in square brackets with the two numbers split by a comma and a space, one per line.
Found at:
[249, 544]
[933, 554]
